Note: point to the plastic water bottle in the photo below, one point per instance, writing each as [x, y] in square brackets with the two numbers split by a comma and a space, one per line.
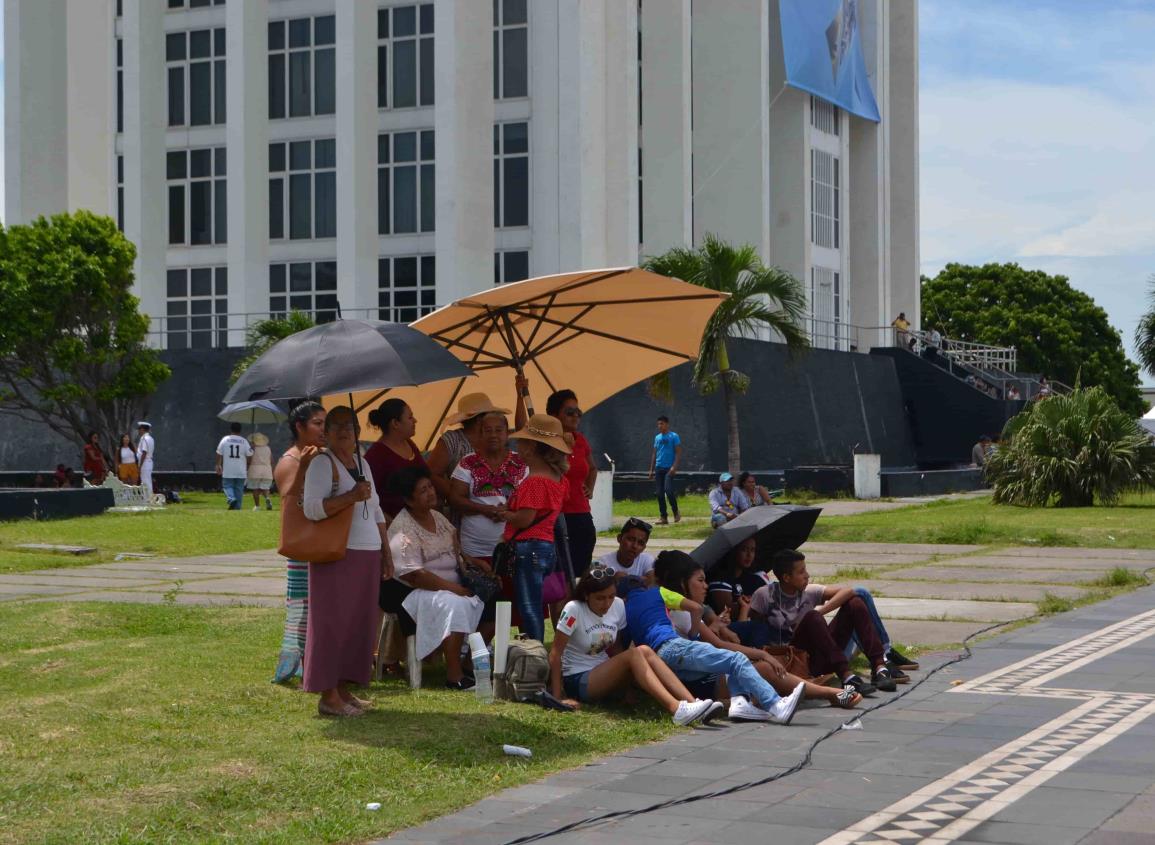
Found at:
[482, 668]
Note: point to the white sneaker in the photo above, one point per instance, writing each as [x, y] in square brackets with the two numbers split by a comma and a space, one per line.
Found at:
[691, 711]
[256, 507]
[741, 710]
[782, 710]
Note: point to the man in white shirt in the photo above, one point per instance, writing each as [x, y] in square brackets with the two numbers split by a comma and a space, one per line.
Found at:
[145, 454]
[233, 455]
[631, 558]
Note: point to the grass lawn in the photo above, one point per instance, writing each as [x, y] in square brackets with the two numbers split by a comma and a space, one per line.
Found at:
[200, 526]
[1130, 525]
[132, 724]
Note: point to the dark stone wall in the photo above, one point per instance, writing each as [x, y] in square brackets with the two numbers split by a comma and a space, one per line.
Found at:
[812, 408]
[183, 413]
[946, 416]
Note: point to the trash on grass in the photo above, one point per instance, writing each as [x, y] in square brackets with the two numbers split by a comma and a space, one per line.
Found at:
[516, 751]
[373, 805]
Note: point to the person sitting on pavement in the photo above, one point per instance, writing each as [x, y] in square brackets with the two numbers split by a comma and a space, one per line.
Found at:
[648, 622]
[587, 661]
[727, 596]
[981, 451]
[755, 493]
[427, 556]
[631, 557]
[796, 609]
[726, 503]
[688, 580]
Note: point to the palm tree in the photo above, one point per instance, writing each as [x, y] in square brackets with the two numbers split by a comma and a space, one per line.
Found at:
[264, 333]
[761, 297]
[1145, 332]
[1073, 450]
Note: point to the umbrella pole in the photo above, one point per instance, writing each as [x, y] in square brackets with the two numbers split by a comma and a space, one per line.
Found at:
[357, 441]
[517, 362]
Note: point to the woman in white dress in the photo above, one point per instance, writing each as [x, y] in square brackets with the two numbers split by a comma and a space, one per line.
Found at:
[427, 555]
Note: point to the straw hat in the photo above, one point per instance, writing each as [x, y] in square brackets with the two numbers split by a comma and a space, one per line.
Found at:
[258, 439]
[544, 429]
[471, 405]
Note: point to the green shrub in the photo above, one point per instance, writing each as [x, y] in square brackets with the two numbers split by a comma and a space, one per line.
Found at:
[1071, 451]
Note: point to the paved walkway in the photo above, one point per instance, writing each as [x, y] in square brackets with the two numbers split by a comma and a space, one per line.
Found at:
[928, 593]
[1044, 736]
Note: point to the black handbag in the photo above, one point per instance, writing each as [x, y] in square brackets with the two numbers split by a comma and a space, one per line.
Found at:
[505, 552]
[483, 584]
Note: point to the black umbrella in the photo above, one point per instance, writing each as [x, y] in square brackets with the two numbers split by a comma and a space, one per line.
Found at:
[346, 356]
[775, 527]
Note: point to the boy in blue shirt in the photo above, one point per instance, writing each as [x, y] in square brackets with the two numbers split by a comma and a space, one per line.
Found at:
[664, 459]
[648, 623]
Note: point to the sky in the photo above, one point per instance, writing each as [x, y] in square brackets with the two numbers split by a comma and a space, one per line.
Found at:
[1038, 142]
[1037, 122]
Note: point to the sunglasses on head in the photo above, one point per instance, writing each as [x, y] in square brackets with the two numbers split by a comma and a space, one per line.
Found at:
[634, 522]
[600, 572]
[573, 412]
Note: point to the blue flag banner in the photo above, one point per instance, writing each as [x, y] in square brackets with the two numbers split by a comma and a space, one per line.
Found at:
[822, 47]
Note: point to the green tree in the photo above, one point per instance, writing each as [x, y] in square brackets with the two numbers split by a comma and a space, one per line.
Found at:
[1057, 330]
[1072, 451]
[72, 340]
[264, 333]
[760, 297]
[1145, 331]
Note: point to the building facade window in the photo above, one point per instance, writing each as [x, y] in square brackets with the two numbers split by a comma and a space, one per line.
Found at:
[405, 56]
[191, 4]
[827, 329]
[825, 196]
[405, 182]
[406, 287]
[510, 175]
[306, 286]
[303, 67]
[824, 116]
[197, 196]
[197, 305]
[303, 189]
[120, 192]
[120, 85]
[510, 49]
[196, 77]
[510, 266]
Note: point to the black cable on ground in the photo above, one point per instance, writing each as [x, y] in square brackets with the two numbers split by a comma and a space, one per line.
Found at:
[797, 767]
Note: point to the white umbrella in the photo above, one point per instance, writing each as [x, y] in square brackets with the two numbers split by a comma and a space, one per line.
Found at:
[259, 411]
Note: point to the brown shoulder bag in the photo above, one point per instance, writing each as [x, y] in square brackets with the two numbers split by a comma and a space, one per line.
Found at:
[321, 541]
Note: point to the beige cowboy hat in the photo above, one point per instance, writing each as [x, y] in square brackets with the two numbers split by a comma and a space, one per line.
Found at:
[471, 405]
[258, 439]
[544, 429]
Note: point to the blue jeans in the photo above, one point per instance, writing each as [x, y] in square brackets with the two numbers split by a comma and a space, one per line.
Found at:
[234, 492]
[693, 657]
[665, 486]
[535, 559]
[883, 636]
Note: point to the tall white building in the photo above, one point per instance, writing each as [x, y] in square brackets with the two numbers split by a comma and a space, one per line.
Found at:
[267, 155]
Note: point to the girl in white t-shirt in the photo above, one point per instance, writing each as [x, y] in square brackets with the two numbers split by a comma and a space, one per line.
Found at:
[588, 664]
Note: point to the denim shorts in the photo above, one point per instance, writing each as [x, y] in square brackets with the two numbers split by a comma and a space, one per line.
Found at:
[577, 685]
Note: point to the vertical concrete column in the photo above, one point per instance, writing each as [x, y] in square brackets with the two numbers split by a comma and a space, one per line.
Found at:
[357, 155]
[35, 105]
[247, 141]
[788, 163]
[545, 81]
[667, 144]
[597, 133]
[91, 110]
[732, 121]
[145, 118]
[463, 117]
[902, 94]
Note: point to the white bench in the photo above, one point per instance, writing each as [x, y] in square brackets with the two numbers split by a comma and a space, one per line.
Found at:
[129, 497]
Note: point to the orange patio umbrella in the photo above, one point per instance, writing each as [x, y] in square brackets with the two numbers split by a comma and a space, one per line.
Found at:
[595, 332]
